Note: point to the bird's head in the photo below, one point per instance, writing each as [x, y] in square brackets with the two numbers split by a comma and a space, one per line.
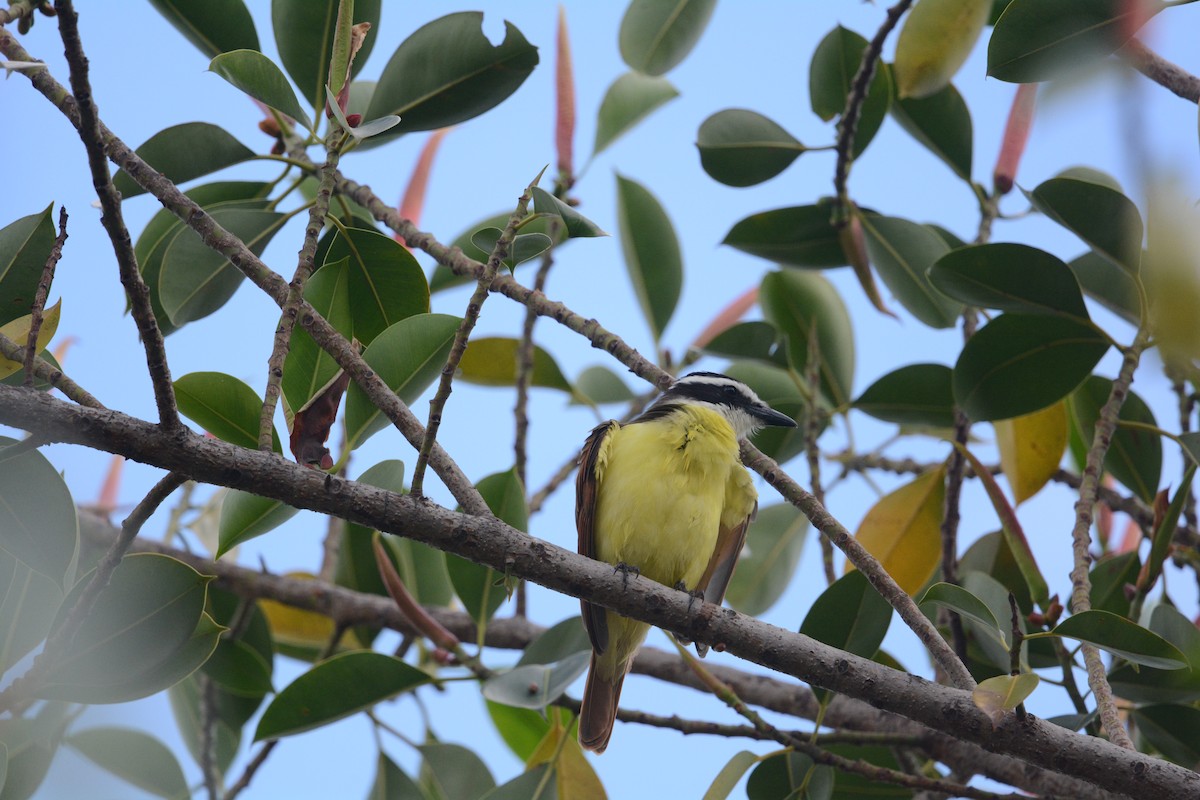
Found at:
[734, 400]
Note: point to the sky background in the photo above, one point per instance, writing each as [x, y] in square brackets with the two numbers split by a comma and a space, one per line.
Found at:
[753, 55]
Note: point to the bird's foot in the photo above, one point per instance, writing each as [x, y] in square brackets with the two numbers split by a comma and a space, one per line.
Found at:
[693, 594]
[626, 570]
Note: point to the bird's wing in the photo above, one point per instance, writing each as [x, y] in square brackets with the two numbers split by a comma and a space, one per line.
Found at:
[730, 539]
[587, 492]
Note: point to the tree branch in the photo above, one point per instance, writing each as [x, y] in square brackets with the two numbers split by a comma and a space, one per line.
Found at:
[39, 297]
[1170, 76]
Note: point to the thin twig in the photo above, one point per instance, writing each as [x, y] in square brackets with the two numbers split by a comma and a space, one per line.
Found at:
[39, 298]
[1166, 74]
[812, 434]
[90, 131]
[208, 736]
[16, 10]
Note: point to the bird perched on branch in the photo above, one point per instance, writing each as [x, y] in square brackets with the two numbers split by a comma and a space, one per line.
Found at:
[666, 497]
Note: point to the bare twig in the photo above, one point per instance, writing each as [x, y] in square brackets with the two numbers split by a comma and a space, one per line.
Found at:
[208, 736]
[1166, 74]
[39, 298]
[812, 434]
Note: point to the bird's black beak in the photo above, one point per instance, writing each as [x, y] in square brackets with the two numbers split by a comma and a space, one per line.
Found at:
[769, 416]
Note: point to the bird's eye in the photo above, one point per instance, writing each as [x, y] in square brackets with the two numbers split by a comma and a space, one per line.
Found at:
[730, 391]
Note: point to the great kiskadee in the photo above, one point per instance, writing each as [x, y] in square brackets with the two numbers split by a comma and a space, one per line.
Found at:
[665, 496]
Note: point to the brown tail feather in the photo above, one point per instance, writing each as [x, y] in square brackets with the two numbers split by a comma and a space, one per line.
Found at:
[598, 712]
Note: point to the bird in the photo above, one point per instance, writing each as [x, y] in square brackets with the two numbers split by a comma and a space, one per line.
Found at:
[664, 496]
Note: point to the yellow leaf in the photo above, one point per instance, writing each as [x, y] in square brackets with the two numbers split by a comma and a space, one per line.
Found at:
[18, 331]
[936, 39]
[573, 773]
[1003, 693]
[1031, 447]
[304, 633]
[903, 530]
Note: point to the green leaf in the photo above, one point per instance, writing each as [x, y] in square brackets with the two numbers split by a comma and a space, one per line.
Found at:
[1164, 532]
[1109, 577]
[797, 303]
[755, 340]
[24, 246]
[257, 76]
[28, 603]
[1010, 277]
[731, 775]
[448, 72]
[443, 278]
[1143, 685]
[538, 783]
[742, 148]
[185, 698]
[408, 356]
[386, 283]
[135, 756]
[556, 643]
[336, 688]
[918, 394]
[775, 387]
[195, 280]
[536, 685]
[965, 604]
[768, 561]
[481, 589]
[214, 27]
[38, 524]
[308, 369]
[1103, 217]
[631, 98]
[492, 361]
[798, 236]
[393, 783]
[994, 595]
[1121, 637]
[524, 246]
[655, 36]
[223, 406]
[1173, 730]
[601, 385]
[651, 251]
[577, 225]
[455, 772]
[18, 331]
[849, 615]
[1109, 285]
[241, 667]
[1134, 455]
[785, 775]
[522, 729]
[183, 152]
[942, 123]
[245, 516]
[902, 252]
[834, 65]
[1017, 364]
[304, 34]
[1035, 40]
[147, 631]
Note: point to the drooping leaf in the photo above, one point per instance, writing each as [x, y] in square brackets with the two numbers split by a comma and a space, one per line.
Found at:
[522, 729]
[448, 72]
[1017, 364]
[308, 369]
[601, 385]
[942, 123]
[1031, 448]
[183, 152]
[135, 756]
[245, 516]
[652, 253]
[776, 383]
[994, 640]
[902, 252]
[835, 62]
[304, 33]
[577, 225]
[769, 558]
[731, 775]
[849, 615]
[1011, 277]
[38, 524]
[1109, 578]
[223, 406]
[784, 776]
[1109, 285]
[408, 357]
[1121, 637]
[1103, 217]
[455, 771]
[213, 27]
[1134, 455]
[934, 42]
[19, 329]
[918, 394]
[799, 303]
[655, 36]
[24, 246]
[1166, 520]
[962, 602]
[1146, 685]
[481, 589]
[741, 148]
[903, 530]
[572, 775]
[631, 98]
[1173, 729]
[492, 361]
[336, 688]
[257, 76]
[393, 783]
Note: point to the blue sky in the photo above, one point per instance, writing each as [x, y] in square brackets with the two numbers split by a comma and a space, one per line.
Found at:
[753, 55]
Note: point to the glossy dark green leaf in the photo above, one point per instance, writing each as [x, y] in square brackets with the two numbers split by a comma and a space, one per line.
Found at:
[1173, 730]
[538, 783]
[135, 756]
[852, 786]
[655, 35]
[245, 516]
[902, 252]
[577, 225]
[756, 340]
[1145, 685]
[741, 148]
[195, 280]
[223, 406]
[492, 361]
[408, 357]
[1103, 217]
[631, 98]
[213, 27]
[601, 385]
[304, 33]
[308, 369]
[1134, 456]
[1121, 637]
[942, 123]
[556, 643]
[386, 283]
[38, 524]
[448, 72]
[443, 278]
[28, 603]
[481, 589]
[768, 561]
[652, 253]
[536, 685]
[455, 771]
[783, 776]
[24, 246]
[962, 602]
[257, 76]
[183, 152]
[918, 394]
[393, 783]
[1035, 40]
[146, 631]
[798, 236]
[1010, 277]
[799, 303]
[524, 246]
[1109, 578]
[777, 384]
[1109, 285]
[995, 596]
[834, 65]
[336, 688]
[849, 615]
[522, 729]
[1017, 364]
[242, 666]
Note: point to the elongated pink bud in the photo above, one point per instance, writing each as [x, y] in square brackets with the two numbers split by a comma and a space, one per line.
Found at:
[728, 317]
[564, 129]
[1016, 134]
